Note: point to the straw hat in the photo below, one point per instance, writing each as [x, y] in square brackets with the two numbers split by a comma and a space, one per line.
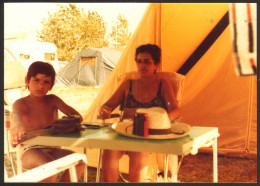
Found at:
[160, 126]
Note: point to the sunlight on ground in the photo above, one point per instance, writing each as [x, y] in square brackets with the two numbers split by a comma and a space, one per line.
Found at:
[80, 98]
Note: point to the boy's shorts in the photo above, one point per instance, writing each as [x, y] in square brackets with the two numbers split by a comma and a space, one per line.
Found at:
[46, 149]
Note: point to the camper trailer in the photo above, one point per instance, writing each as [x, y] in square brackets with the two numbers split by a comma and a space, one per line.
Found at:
[29, 51]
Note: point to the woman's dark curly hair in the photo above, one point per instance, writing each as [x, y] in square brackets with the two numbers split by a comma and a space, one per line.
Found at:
[39, 67]
[153, 50]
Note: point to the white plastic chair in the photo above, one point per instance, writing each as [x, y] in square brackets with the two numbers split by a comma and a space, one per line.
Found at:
[177, 82]
[9, 150]
[44, 171]
[10, 96]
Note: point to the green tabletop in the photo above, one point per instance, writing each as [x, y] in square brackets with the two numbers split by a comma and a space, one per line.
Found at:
[107, 138]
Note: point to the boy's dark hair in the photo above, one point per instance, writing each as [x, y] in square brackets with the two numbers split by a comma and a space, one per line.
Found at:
[153, 50]
[40, 67]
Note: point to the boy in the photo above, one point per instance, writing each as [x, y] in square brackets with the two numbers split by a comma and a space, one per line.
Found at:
[38, 111]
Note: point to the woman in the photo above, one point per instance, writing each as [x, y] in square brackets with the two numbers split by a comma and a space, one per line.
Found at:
[145, 92]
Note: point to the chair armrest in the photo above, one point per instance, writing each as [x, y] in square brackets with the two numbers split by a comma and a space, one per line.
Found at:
[44, 171]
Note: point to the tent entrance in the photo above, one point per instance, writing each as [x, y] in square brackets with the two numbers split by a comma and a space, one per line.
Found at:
[91, 61]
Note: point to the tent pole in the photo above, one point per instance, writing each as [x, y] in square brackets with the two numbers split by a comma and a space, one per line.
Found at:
[249, 118]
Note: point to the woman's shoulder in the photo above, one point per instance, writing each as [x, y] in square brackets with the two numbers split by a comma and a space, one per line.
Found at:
[164, 81]
[166, 84]
[125, 85]
[126, 82]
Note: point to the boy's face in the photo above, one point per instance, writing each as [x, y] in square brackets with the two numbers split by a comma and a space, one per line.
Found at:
[39, 85]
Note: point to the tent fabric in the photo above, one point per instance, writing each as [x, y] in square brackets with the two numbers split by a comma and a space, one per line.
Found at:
[76, 73]
[213, 95]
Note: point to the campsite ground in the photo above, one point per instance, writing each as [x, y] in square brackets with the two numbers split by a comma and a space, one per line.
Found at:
[198, 168]
[194, 168]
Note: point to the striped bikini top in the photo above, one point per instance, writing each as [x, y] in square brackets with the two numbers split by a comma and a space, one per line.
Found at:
[131, 102]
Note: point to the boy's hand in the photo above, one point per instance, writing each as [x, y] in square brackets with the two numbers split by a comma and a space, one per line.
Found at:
[16, 134]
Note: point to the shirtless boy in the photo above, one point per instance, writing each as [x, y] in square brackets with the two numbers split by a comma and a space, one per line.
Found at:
[38, 111]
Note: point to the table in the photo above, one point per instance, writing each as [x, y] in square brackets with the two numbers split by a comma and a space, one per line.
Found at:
[107, 138]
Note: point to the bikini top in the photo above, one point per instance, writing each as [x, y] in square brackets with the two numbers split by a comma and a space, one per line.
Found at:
[131, 102]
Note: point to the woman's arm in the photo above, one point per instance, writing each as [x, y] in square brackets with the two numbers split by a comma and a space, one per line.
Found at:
[115, 100]
[170, 100]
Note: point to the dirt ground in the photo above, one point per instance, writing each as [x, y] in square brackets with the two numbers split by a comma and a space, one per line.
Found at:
[199, 168]
[194, 168]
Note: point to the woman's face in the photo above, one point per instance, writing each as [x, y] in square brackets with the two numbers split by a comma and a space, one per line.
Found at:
[145, 64]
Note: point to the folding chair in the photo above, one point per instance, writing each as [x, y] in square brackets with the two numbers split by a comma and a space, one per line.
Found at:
[10, 96]
[44, 171]
[177, 83]
[9, 150]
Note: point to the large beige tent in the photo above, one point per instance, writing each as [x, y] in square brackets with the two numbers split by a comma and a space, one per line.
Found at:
[195, 40]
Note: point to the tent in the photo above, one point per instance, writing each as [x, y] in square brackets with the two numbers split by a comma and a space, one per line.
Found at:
[195, 40]
[90, 67]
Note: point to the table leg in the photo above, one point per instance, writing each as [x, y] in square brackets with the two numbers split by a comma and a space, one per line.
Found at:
[99, 164]
[166, 163]
[215, 160]
[174, 167]
[85, 175]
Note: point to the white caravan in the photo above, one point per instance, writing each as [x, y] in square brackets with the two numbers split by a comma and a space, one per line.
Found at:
[30, 51]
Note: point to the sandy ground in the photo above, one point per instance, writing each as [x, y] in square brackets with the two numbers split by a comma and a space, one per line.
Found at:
[79, 98]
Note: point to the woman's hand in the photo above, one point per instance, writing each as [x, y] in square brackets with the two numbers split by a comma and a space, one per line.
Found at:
[16, 134]
[129, 113]
[105, 112]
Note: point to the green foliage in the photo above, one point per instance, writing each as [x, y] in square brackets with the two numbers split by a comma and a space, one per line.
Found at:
[71, 30]
[120, 33]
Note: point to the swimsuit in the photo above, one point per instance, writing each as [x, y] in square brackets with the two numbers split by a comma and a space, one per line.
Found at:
[131, 102]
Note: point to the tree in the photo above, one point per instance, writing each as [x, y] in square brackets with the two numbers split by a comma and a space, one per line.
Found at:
[120, 34]
[71, 30]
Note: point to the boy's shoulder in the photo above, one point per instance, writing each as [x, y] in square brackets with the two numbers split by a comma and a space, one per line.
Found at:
[51, 96]
[20, 103]
[21, 100]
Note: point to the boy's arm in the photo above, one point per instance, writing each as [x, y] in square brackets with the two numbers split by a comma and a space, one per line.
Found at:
[64, 108]
[18, 118]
